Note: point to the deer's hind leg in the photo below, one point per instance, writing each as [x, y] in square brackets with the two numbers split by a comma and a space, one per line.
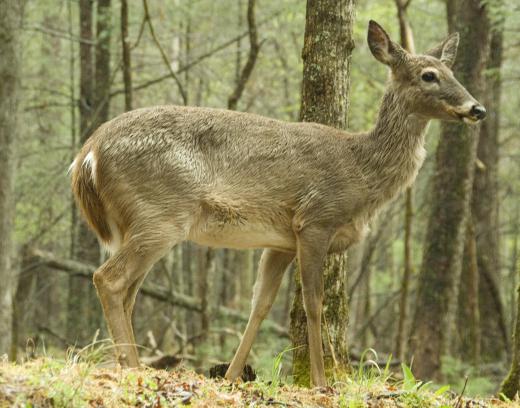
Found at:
[118, 280]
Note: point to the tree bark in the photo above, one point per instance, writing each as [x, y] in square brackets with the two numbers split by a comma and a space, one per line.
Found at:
[406, 36]
[511, 385]
[328, 45]
[495, 338]
[9, 70]
[127, 56]
[468, 331]
[455, 163]
[102, 66]
[86, 246]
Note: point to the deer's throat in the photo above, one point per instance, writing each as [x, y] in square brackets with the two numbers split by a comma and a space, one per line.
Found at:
[396, 147]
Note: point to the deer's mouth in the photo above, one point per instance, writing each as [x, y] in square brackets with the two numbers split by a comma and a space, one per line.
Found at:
[469, 119]
[462, 114]
[466, 117]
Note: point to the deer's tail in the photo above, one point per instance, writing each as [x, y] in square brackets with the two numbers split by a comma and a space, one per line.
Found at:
[83, 172]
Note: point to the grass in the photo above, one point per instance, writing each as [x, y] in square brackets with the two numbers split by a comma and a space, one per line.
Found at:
[83, 379]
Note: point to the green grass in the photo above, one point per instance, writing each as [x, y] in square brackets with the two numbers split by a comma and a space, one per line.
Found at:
[83, 379]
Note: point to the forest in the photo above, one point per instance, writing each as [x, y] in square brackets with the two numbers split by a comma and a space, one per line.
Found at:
[423, 311]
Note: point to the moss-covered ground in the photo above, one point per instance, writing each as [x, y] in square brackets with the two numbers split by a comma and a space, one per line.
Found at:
[79, 381]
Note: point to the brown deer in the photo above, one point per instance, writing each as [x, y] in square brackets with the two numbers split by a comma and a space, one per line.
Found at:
[152, 178]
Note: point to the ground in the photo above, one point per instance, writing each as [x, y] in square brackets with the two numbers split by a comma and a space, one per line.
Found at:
[78, 382]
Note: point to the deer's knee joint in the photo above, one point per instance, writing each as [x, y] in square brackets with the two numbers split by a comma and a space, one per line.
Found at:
[106, 282]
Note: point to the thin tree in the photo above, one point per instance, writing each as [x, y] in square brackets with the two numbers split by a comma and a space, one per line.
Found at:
[406, 36]
[495, 337]
[127, 56]
[328, 45]
[450, 207]
[9, 83]
[511, 385]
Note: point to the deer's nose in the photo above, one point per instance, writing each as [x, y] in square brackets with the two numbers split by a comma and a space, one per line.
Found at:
[478, 111]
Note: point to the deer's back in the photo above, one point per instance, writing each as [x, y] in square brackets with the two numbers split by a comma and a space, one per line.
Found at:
[235, 168]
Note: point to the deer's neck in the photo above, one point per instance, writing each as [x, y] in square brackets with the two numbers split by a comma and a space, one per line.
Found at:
[395, 149]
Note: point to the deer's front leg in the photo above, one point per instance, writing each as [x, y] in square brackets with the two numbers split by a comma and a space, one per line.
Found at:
[270, 273]
[312, 248]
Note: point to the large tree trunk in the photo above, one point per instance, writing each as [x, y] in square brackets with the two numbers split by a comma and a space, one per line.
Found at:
[455, 163]
[9, 71]
[495, 339]
[326, 70]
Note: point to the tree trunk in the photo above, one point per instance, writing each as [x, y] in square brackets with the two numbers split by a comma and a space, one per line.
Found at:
[511, 385]
[127, 57]
[406, 36]
[100, 116]
[102, 67]
[9, 71]
[86, 246]
[468, 338]
[328, 45]
[455, 164]
[400, 344]
[495, 338]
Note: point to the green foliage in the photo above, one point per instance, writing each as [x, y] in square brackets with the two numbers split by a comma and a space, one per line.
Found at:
[455, 372]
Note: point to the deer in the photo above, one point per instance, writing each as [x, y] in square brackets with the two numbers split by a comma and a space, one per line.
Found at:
[154, 177]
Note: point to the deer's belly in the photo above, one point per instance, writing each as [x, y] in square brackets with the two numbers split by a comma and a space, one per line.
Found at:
[243, 237]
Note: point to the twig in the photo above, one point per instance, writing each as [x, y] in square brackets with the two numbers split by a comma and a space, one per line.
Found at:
[59, 34]
[197, 60]
[459, 400]
[254, 49]
[163, 54]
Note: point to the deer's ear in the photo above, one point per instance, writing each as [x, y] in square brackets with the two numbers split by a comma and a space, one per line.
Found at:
[446, 51]
[381, 46]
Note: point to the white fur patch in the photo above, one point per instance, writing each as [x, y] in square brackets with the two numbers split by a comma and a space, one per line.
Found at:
[71, 167]
[90, 161]
[116, 241]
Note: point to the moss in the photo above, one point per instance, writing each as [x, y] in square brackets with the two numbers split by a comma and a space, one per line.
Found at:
[511, 385]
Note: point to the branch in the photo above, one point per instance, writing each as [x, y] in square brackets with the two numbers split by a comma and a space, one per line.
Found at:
[254, 49]
[148, 289]
[390, 299]
[163, 54]
[195, 61]
[59, 34]
[370, 245]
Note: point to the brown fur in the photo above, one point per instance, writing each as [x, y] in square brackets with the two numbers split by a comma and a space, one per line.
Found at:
[87, 197]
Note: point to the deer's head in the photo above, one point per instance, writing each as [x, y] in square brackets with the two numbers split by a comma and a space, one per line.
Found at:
[426, 81]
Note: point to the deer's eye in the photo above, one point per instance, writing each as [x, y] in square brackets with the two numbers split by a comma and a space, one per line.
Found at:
[429, 77]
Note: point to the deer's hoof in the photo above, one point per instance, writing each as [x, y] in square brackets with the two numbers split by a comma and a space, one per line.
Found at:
[219, 371]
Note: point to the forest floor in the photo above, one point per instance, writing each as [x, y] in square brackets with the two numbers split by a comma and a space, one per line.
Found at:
[49, 382]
